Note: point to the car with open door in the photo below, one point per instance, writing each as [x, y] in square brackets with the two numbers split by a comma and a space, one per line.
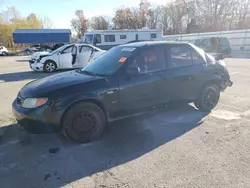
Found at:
[126, 80]
[64, 58]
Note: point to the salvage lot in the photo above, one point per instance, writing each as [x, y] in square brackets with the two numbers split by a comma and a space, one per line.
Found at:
[181, 148]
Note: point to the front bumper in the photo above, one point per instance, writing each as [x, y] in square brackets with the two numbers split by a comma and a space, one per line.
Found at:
[228, 83]
[36, 66]
[41, 120]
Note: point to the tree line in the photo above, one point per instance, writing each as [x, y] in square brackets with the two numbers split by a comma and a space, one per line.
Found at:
[176, 17]
[10, 19]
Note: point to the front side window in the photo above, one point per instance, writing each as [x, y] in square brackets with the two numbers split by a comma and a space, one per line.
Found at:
[150, 60]
[67, 50]
[109, 38]
[180, 56]
[197, 59]
[224, 42]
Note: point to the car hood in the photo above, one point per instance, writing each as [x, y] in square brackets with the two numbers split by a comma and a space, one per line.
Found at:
[37, 55]
[55, 82]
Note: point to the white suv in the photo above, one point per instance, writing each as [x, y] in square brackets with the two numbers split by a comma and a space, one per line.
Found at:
[3, 51]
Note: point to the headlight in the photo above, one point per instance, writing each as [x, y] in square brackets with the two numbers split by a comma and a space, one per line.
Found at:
[34, 102]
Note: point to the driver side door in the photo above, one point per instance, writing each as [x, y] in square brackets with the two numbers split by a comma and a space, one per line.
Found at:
[65, 58]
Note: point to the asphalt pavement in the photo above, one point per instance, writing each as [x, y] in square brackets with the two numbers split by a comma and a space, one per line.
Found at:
[166, 148]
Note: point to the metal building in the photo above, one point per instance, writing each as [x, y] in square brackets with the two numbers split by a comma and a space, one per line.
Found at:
[41, 36]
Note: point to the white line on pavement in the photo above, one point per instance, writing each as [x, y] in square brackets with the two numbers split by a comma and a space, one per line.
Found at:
[10, 143]
[234, 73]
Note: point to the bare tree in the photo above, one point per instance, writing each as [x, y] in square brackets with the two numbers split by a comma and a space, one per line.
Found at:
[79, 24]
[46, 23]
[99, 23]
[154, 17]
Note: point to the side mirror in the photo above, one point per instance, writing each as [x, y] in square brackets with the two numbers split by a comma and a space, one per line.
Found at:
[59, 53]
[133, 71]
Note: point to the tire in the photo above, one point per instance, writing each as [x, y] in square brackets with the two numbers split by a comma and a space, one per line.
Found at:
[4, 53]
[49, 66]
[208, 98]
[84, 122]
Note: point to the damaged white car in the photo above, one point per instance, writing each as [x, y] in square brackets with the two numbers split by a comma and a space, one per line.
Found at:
[69, 56]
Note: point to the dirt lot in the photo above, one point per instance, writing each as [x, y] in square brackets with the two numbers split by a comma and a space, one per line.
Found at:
[182, 148]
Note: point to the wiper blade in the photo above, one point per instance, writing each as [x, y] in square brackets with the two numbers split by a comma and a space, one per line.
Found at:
[89, 73]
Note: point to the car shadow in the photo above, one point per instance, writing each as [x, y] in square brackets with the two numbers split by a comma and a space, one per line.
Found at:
[27, 75]
[52, 161]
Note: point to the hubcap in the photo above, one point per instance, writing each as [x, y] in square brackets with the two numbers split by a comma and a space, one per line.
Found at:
[84, 124]
[50, 67]
[210, 98]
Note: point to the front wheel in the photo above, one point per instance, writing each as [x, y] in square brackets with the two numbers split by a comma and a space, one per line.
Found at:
[4, 53]
[49, 66]
[84, 122]
[208, 98]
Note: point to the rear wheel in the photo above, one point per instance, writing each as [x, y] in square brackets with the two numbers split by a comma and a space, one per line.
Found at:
[4, 53]
[84, 122]
[208, 98]
[49, 66]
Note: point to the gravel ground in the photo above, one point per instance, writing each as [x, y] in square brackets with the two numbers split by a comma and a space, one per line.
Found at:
[182, 148]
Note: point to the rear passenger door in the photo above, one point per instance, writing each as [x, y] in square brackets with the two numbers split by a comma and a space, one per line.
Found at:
[187, 67]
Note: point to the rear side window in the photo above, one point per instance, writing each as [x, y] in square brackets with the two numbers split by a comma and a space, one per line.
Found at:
[180, 56]
[153, 36]
[109, 38]
[151, 60]
[197, 59]
[123, 36]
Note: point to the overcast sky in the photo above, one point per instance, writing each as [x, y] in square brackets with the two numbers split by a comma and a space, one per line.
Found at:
[62, 11]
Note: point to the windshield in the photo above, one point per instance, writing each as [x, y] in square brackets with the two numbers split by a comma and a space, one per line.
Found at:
[210, 59]
[58, 49]
[110, 61]
[88, 39]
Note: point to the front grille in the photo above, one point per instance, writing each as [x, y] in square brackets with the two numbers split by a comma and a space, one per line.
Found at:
[31, 61]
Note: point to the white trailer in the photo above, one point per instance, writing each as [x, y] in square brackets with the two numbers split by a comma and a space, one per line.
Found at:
[106, 39]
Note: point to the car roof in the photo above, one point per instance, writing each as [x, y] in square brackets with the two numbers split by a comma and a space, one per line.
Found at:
[211, 37]
[82, 44]
[151, 43]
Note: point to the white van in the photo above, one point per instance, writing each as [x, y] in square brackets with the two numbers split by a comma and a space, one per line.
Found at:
[3, 51]
[66, 57]
[106, 39]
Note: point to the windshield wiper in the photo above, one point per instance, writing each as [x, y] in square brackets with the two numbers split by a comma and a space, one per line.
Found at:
[92, 73]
